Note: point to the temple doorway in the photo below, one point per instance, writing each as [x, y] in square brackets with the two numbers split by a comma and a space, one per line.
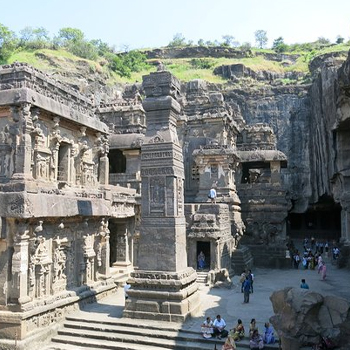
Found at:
[203, 247]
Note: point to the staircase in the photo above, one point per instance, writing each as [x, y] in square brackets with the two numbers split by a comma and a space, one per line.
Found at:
[131, 334]
[242, 260]
[202, 277]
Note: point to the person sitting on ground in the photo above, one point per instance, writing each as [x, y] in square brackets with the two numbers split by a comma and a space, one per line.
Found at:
[269, 337]
[303, 284]
[229, 343]
[207, 328]
[256, 340]
[219, 327]
[252, 327]
[238, 331]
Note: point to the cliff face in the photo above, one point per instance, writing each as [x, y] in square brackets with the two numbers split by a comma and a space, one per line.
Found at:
[310, 122]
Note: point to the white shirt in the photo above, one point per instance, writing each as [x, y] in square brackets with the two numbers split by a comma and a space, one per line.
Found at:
[219, 323]
[126, 288]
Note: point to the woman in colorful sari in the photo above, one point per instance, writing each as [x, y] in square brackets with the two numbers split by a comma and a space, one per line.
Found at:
[229, 343]
[323, 271]
[256, 340]
[238, 331]
[252, 327]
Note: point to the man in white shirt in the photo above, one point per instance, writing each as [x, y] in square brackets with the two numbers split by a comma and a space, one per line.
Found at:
[219, 327]
[212, 195]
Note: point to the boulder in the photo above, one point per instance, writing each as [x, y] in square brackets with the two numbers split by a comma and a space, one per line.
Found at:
[302, 317]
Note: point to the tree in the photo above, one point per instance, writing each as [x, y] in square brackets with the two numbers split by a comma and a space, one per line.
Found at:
[323, 41]
[8, 43]
[261, 38]
[68, 35]
[279, 45]
[201, 42]
[340, 40]
[246, 46]
[228, 40]
[34, 38]
[178, 40]
[124, 64]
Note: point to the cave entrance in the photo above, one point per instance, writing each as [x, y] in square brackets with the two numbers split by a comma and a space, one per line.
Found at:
[322, 221]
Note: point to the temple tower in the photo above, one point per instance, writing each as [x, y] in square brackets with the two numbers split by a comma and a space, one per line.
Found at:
[164, 287]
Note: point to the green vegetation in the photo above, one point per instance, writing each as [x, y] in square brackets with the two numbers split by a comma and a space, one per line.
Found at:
[70, 49]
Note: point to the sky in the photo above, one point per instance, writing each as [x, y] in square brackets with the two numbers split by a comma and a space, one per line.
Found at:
[136, 24]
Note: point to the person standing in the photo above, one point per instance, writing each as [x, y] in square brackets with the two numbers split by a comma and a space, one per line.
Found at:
[246, 289]
[212, 195]
[323, 270]
[201, 260]
[251, 279]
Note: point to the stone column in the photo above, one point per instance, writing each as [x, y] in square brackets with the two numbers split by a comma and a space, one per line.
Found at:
[20, 261]
[123, 263]
[345, 225]
[164, 287]
[104, 170]
[23, 143]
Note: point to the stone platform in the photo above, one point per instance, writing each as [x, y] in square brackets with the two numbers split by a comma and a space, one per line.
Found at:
[227, 302]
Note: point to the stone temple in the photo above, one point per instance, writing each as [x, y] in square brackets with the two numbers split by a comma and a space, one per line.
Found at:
[92, 194]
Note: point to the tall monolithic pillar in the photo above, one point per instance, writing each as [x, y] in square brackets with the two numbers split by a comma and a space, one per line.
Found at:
[164, 287]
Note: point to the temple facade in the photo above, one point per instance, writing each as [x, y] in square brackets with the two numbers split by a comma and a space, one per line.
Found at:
[92, 194]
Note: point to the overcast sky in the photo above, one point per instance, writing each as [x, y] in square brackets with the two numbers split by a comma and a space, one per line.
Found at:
[153, 23]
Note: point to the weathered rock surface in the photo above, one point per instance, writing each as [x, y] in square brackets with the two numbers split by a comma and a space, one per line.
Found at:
[302, 317]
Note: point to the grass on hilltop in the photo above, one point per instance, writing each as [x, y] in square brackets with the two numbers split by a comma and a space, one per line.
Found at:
[185, 69]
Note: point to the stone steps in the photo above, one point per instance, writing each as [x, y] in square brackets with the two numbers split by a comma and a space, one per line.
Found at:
[202, 277]
[242, 259]
[130, 334]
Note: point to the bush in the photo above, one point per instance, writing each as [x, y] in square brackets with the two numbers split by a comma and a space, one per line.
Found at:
[133, 61]
[83, 49]
[202, 63]
[8, 43]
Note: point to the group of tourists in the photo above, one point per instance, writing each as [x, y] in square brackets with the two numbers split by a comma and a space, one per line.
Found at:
[312, 258]
[217, 329]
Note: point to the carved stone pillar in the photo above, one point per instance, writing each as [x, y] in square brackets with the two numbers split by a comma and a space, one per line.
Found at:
[123, 262]
[104, 170]
[20, 261]
[103, 249]
[23, 143]
[164, 287]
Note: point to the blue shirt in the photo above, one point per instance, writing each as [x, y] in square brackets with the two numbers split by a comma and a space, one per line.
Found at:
[304, 286]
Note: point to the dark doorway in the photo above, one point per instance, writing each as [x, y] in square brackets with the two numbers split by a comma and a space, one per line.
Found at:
[203, 247]
[112, 242]
[63, 160]
[117, 161]
[320, 222]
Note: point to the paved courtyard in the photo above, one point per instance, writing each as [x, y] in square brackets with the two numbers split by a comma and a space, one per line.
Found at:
[229, 302]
